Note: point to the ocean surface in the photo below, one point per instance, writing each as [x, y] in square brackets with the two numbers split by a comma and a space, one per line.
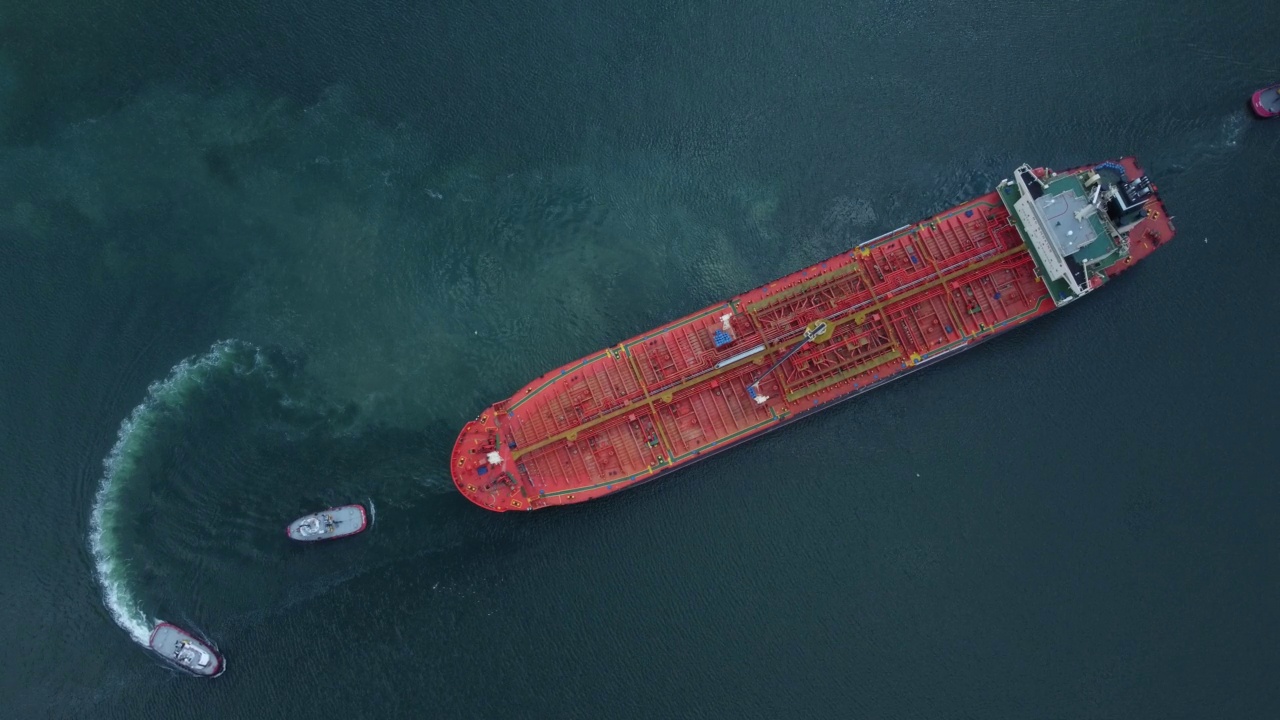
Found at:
[258, 257]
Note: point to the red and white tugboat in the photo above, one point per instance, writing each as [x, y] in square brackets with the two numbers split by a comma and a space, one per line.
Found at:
[1266, 102]
[328, 524]
[183, 650]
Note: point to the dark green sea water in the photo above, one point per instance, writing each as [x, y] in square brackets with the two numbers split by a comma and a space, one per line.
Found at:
[260, 256]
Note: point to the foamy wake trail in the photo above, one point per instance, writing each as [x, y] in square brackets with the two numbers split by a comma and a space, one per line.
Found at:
[1232, 129]
[115, 592]
[133, 440]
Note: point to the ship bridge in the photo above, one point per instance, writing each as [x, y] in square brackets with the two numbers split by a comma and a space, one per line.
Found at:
[1062, 225]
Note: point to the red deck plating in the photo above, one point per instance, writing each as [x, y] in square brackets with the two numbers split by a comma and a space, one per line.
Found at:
[677, 394]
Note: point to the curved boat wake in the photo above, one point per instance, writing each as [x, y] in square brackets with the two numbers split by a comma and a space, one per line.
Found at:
[219, 453]
[163, 398]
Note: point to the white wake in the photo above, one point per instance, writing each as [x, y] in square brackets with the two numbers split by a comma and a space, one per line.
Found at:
[163, 397]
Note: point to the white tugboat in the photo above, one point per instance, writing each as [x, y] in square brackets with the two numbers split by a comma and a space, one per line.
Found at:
[328, 524]
[181, 649]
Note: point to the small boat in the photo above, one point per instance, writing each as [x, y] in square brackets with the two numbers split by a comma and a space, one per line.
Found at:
[328, 524]
[182, 649]
[1266, 102]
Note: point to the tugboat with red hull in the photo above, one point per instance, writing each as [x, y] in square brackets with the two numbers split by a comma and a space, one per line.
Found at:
[185, 651]
[1266, 102]
[336, 522]
[841, 327]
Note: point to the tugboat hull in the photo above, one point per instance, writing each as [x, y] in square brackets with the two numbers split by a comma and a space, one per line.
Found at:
[1266, 102]
[185, 652]
[328, 524]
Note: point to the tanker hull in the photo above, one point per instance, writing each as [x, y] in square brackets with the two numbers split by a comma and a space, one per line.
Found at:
[731, 372]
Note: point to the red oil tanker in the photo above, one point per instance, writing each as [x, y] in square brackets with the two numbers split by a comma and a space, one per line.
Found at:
[733, 371]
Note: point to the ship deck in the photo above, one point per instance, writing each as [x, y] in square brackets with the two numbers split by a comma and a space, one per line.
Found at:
[680, 392]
